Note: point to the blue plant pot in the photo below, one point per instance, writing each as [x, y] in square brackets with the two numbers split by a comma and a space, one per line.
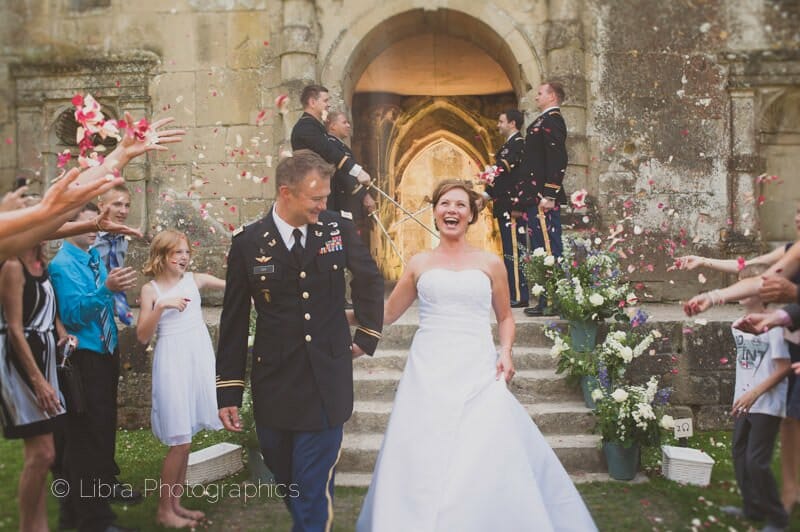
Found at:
[623, 462]
[583, 334]
[588, 384]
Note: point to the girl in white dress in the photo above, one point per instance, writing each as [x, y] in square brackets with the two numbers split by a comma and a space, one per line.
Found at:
[184, 388]
[460, 452]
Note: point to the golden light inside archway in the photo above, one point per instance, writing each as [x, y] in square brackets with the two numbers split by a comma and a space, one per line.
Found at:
[433, 64]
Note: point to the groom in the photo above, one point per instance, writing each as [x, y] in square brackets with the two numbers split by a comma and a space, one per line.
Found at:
[291, 264]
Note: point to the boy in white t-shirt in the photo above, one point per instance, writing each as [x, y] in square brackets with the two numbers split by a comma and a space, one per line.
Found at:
[759, 405]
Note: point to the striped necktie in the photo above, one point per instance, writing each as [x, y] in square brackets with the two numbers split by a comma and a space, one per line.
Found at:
[121, 307]
[106, 321]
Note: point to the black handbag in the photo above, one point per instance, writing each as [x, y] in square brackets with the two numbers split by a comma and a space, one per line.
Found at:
[71, 385]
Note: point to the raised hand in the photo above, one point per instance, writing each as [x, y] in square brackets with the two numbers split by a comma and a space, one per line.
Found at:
[104, 222]
[758, 323]
[121, 279]
[688, 262]
[696, 305]
[65, 195]
[13, 200]
[139, 138]
[777, 289]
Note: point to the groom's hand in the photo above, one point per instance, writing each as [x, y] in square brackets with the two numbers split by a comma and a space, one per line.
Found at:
[357, 351]
[230, 418]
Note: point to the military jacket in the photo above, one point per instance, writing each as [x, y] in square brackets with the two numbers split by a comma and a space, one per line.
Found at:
[545, 159]
[504, 190]
[301, 367]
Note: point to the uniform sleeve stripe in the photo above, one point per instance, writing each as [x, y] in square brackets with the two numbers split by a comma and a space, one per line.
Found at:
[230, 385]
[550, 185]
[505, 163]
[233, 381]
[341, 163]
[369, 332]
[355, 190]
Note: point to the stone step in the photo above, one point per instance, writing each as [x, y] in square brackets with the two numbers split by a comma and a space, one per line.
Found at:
[529, 385]
[529, 333]
[524, 358]
[551, 418]
[578, 453]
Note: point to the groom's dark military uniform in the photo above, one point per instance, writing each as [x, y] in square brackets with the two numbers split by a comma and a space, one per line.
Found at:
[504, 192]
[347, 194]
[301, 369]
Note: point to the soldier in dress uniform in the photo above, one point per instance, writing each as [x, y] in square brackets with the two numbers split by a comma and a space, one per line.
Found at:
[347, 194]
[545, 165]
[309, 134]
[291, 264]
[503, 191]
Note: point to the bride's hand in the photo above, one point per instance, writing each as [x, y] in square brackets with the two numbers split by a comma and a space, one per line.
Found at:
[505, 367]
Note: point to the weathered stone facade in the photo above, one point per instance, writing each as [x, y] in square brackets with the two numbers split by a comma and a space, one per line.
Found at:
[673, 109]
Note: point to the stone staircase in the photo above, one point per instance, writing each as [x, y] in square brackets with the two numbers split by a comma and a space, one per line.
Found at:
[555, 406]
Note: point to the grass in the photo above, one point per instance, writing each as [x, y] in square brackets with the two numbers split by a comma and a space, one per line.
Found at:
[658, 504]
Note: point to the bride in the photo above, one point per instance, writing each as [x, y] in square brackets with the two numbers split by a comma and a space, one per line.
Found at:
[460, 452]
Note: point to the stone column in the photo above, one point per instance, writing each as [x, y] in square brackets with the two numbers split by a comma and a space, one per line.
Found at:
[744, 165]
[565, 52]
[298, 53]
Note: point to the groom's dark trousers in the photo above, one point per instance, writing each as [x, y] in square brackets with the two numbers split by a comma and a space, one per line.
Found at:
[302, 365]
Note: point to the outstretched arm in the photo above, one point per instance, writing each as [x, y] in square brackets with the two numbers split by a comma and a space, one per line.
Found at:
[691, 262]
[205, 280]
[404, 293]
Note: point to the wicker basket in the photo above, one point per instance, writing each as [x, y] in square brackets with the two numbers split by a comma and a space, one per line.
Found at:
[214, 463]
[689, 466]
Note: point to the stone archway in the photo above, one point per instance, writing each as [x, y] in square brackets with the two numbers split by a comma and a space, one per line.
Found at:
[779, 147]
[415, 101]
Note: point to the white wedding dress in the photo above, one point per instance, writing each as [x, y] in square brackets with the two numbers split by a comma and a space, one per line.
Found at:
[460, 452]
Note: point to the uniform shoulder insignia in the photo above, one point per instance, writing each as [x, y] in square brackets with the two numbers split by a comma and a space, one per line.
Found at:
[239, 229]
[346, 214]
[519, 139]
[556, 113]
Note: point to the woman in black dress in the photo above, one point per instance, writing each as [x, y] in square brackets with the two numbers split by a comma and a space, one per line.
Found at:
[30, 402]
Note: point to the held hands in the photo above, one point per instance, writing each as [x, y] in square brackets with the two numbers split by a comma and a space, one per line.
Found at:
[178, 303]
[229, 416]
[505, 367]
[121, 279]
[777, 289]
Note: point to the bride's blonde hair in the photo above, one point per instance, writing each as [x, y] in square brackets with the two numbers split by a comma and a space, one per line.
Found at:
[475, 199]
[163, 244]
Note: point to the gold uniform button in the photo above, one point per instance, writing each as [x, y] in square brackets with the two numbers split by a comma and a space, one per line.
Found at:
[258, 359]
[302, 275]
[263, 278]
[308, 338]
[307, 316]
[305, 295]
[335, 266]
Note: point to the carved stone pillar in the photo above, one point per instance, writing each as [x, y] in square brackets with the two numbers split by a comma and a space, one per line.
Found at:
[745, 164]
[298, 53]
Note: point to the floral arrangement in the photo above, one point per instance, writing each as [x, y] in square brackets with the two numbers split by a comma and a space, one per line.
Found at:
[632, 415]
[542, 271]
[575, 364]
[619, 349]
[490, 172]
[591, 286]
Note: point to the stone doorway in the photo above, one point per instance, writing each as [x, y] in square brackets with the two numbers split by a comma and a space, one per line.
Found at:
[779, 139]
[424, 107]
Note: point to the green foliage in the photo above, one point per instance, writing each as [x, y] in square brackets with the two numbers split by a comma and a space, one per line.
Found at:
[631, 414]
[575, 364]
